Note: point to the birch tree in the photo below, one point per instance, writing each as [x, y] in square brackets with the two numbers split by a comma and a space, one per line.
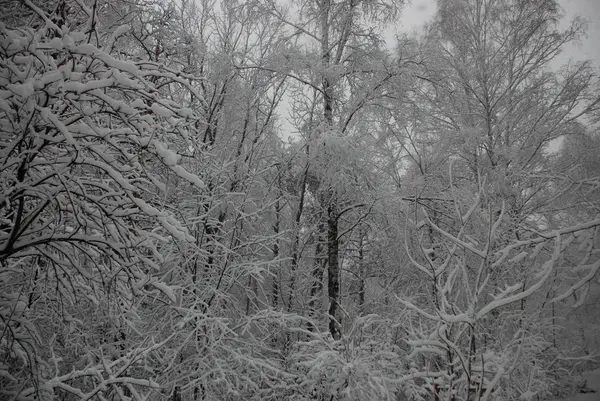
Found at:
[340, 69]
[483, 116]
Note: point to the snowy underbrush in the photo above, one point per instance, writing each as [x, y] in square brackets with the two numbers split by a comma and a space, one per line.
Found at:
[362, 366]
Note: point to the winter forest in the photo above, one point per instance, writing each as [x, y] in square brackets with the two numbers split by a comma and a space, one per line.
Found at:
[261, 200]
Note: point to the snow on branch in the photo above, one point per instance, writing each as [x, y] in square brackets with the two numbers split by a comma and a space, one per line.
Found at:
[85, 139]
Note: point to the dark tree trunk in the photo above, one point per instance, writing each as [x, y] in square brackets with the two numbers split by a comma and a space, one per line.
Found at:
[361, 275]
[333, 276]
[275, 291]
[296, 244]
[316, 288]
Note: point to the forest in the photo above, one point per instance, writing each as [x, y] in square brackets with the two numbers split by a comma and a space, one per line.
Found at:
[262, 200]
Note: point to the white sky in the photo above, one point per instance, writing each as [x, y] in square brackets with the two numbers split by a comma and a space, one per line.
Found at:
[590, 46]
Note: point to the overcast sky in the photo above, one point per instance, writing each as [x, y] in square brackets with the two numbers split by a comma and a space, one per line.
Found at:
[419, 11]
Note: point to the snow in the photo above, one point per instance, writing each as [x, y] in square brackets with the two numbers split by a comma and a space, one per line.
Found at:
[123, 29]
[528, 395]
[582, 397]
[49, 116]
[92, 51]
[593, 382]
[519, 257]
[79, 87]
[22, 90]
[138, 104]
[593, 270]
[5, 107]
[169, 157]
[161, 111]
[191, 178]
[84, 144]
[123, 80]
[56, 44]
[186, 112]
[165, 289]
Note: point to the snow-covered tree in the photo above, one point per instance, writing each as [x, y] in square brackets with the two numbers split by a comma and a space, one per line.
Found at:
[81, 230]
[491, 235]
[423, 233]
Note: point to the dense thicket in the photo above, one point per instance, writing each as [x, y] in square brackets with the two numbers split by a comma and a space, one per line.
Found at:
[214, 200]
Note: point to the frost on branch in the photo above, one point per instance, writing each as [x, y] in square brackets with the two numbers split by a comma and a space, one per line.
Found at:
[484, 318]
[79, 227]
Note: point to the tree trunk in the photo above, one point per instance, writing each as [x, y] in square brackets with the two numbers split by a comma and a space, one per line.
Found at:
[275, 292]
[296, 244]
[361, 275]
[333, 279]
[316, 288]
